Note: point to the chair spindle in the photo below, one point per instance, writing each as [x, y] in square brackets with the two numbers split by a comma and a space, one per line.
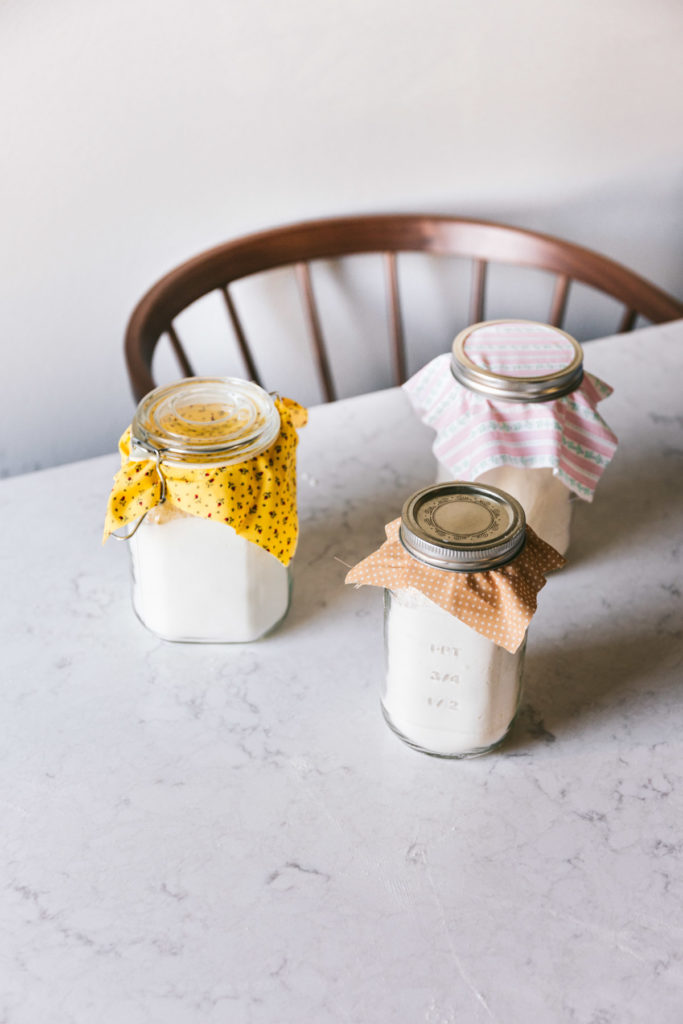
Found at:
[481, 243]
[558, 307]
[479, 268]
[303, 275]
[177, 347]
[240, 336]
[395, 319]
[628, 321]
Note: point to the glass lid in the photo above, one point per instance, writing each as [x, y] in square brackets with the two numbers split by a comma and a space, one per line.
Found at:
[218, 420]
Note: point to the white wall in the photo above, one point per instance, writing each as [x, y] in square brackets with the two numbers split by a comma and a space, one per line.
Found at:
[138, 132]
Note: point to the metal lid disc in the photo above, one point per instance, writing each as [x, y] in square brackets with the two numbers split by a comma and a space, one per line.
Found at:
[466, 527]
[517, 360]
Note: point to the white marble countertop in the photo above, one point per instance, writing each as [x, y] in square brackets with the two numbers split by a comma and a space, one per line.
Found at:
[231, 835]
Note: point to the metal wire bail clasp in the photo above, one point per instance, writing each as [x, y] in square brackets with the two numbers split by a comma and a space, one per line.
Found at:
[162, 497]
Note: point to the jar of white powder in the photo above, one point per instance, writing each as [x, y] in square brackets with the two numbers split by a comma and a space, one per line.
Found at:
[513, 407]
[461, 571]
[211, 467]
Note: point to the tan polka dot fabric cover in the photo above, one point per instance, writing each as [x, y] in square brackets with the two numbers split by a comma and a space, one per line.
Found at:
[256, 497]
[499, 603]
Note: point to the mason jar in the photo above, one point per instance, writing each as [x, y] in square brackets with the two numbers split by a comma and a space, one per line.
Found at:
[517, 361]
[194, 578]
[448, 690]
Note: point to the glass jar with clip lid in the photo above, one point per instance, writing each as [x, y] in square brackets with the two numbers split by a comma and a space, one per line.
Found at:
[209, 473]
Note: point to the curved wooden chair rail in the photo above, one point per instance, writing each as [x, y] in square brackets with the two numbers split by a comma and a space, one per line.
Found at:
[300, 244]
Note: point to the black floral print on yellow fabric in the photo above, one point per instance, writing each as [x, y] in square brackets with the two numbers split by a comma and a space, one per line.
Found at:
[257, 498]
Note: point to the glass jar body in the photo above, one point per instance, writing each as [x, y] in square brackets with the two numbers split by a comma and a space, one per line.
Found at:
[447, 691]
[547, 503]
[196, 580]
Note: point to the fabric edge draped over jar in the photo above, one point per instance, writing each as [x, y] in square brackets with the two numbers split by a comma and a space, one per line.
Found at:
[257, 497]
[475, 434]
[497, 603]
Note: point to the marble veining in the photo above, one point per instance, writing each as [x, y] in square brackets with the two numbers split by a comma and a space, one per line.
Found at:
[231, 835]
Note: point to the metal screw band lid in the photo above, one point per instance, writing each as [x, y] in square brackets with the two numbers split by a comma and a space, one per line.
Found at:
[211, 420]
[464, 527]
[517, 360]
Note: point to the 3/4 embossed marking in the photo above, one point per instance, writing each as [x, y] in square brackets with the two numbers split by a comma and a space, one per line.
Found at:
[444, 677]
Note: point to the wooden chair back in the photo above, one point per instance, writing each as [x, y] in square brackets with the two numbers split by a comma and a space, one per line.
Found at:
[299, 245]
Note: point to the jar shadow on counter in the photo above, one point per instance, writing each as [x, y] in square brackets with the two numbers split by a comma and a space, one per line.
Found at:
[622, 514]
[577, 684]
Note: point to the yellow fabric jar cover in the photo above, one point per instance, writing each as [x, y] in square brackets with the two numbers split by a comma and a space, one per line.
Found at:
[497, 603]
[257, 497]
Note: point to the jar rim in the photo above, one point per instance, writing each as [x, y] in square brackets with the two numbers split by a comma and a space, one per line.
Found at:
[206, 421]
[463, 527]
[511, 387]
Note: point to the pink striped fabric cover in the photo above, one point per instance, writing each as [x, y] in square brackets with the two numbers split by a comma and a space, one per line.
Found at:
[475, 433]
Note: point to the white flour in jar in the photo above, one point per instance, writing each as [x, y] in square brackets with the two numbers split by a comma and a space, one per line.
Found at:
[546, 501]
[198, 580]
[449, 690]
